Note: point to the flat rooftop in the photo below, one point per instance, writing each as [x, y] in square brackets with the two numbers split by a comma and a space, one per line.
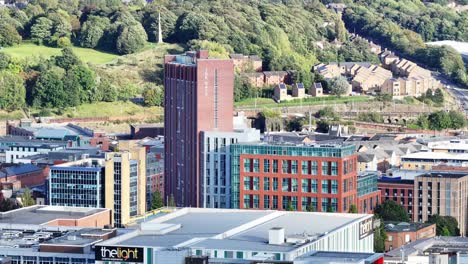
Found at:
[404, 227]
[322, 257]
[40, 215]
[435, 156]
[233, 229]
[84, 163]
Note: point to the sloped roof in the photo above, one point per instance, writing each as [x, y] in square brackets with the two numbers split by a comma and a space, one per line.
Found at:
[21, 169]
[51, 133]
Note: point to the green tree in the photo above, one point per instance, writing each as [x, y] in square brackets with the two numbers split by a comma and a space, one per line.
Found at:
[391, 211]
[330, 209]
[153, 95]
[5, 60]
[67, 59]
[108, 91]
[7, 205]
[84, 80]
[295, 124]
[9, 36]
[439, 120]
[338, 86]
[131, 39]
[326, 112]
[41, 30]
[49, 91]
[445, 225]
[157, 201]
[310, 208]
[457, 119]
[290, 206]
[380, 236]
[423, 121]
[353, 209]
[27, 199]
[12, 91]
[438, 96]
[93, 31]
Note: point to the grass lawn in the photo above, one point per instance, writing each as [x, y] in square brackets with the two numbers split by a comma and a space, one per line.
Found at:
[26, 50]
[100, 109]
[329, 100]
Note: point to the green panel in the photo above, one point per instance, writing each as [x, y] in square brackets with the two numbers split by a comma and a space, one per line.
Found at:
[149, 255]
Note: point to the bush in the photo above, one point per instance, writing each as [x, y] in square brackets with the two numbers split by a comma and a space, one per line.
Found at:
[63, 42]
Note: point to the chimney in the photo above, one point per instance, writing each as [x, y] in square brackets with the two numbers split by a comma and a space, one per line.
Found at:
[276, 236]
[202, 54]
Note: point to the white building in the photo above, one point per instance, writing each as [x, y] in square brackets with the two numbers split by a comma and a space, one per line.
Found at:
[231, 235]
[16, 152]
[216, 165]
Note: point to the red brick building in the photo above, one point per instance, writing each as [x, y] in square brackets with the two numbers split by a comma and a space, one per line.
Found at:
[399, 234]
[26, 175]
[281, 175]
[198, 96]
[398, 190]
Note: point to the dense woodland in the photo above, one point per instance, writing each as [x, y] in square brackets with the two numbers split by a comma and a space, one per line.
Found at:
[284, 33]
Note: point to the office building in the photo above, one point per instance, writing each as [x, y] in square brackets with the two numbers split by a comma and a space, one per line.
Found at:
[125, 181]
[77, 184]
[281, 175]
[25, 149]
[117, 182]
[400, 234]
[198, 96]
[232, 235]
[216, 165]
[445, 194]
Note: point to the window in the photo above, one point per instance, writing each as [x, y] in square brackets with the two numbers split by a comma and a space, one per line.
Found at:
[314, 185]
[228, 254]
[305, 167]
[198, 252]
[334, 204]
[334, 185]
[294, 185]
[324, 204]
[247, 201]
[407, 238]
[256, 183]
[266, 183]
[266, 165]
[266, 201]
[285, 185]
[314, 167]
[325, 186]
[304, 203]
[275, 184]
[247, 165]
[326, 168]
[256, 201]
[239, 254]
[286, 165]
[247, 183]
[275, 202]
[285, 202]
[275, 166]
[294, 167]
[390, 238]
[334, 168]
[256, 165]
[305, 185]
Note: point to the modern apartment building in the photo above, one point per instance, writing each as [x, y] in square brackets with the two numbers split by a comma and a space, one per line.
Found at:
[215, 166]
[116, 182]
[399, 190]
[445, 194]
[368, 194]
[198, 96]
[280, 175]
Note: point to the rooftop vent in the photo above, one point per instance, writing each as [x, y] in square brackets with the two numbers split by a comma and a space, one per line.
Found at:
[276, 236]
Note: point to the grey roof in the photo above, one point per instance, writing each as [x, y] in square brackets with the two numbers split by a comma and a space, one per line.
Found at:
[233, 229]
[318, 86]
[37, 215]
[52, 133]
[21, 169]
[418, 247]
[323, 257]
[404, 227]
[365, 157]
